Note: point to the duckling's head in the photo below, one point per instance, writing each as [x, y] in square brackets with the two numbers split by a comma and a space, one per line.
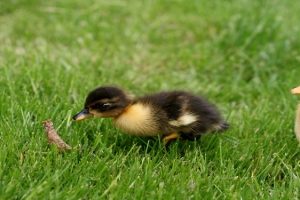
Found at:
[106, 101]
[296, 90]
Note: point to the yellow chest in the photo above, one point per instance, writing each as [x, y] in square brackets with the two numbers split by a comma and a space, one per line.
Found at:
[137, 120]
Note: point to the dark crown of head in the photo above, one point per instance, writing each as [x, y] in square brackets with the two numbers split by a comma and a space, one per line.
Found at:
[99, 93]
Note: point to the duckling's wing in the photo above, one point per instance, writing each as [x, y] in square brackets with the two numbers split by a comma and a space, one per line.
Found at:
[192, 114]
[171, 103]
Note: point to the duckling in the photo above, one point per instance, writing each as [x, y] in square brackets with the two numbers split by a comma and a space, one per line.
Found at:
[297, 122]
[170, 114]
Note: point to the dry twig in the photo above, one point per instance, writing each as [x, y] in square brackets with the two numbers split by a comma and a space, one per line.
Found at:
[53, 137]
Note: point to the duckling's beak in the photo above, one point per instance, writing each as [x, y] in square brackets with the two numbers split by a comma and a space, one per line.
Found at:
[296, 90]
[84, 114]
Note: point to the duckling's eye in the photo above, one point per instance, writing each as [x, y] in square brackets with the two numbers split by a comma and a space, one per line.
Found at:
[100, 105]
[97, 105]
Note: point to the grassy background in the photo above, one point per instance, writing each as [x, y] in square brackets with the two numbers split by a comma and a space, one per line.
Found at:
[241, 55]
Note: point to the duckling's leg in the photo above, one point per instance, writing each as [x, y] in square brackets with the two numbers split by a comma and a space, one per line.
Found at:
[167, 138]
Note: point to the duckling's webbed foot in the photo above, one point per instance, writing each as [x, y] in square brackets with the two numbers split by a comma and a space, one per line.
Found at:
[167, 138]
[189, 136]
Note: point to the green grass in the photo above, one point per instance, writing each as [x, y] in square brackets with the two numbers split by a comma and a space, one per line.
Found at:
[243, 56]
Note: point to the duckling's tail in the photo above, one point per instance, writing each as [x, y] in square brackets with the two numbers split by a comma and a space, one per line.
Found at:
[223, 126]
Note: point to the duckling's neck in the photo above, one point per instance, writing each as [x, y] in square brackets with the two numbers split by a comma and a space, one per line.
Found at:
[297, 123]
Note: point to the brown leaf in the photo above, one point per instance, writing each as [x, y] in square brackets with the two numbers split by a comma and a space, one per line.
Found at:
[53, 137]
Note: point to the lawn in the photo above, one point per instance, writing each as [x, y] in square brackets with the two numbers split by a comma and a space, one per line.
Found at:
[243, 56]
